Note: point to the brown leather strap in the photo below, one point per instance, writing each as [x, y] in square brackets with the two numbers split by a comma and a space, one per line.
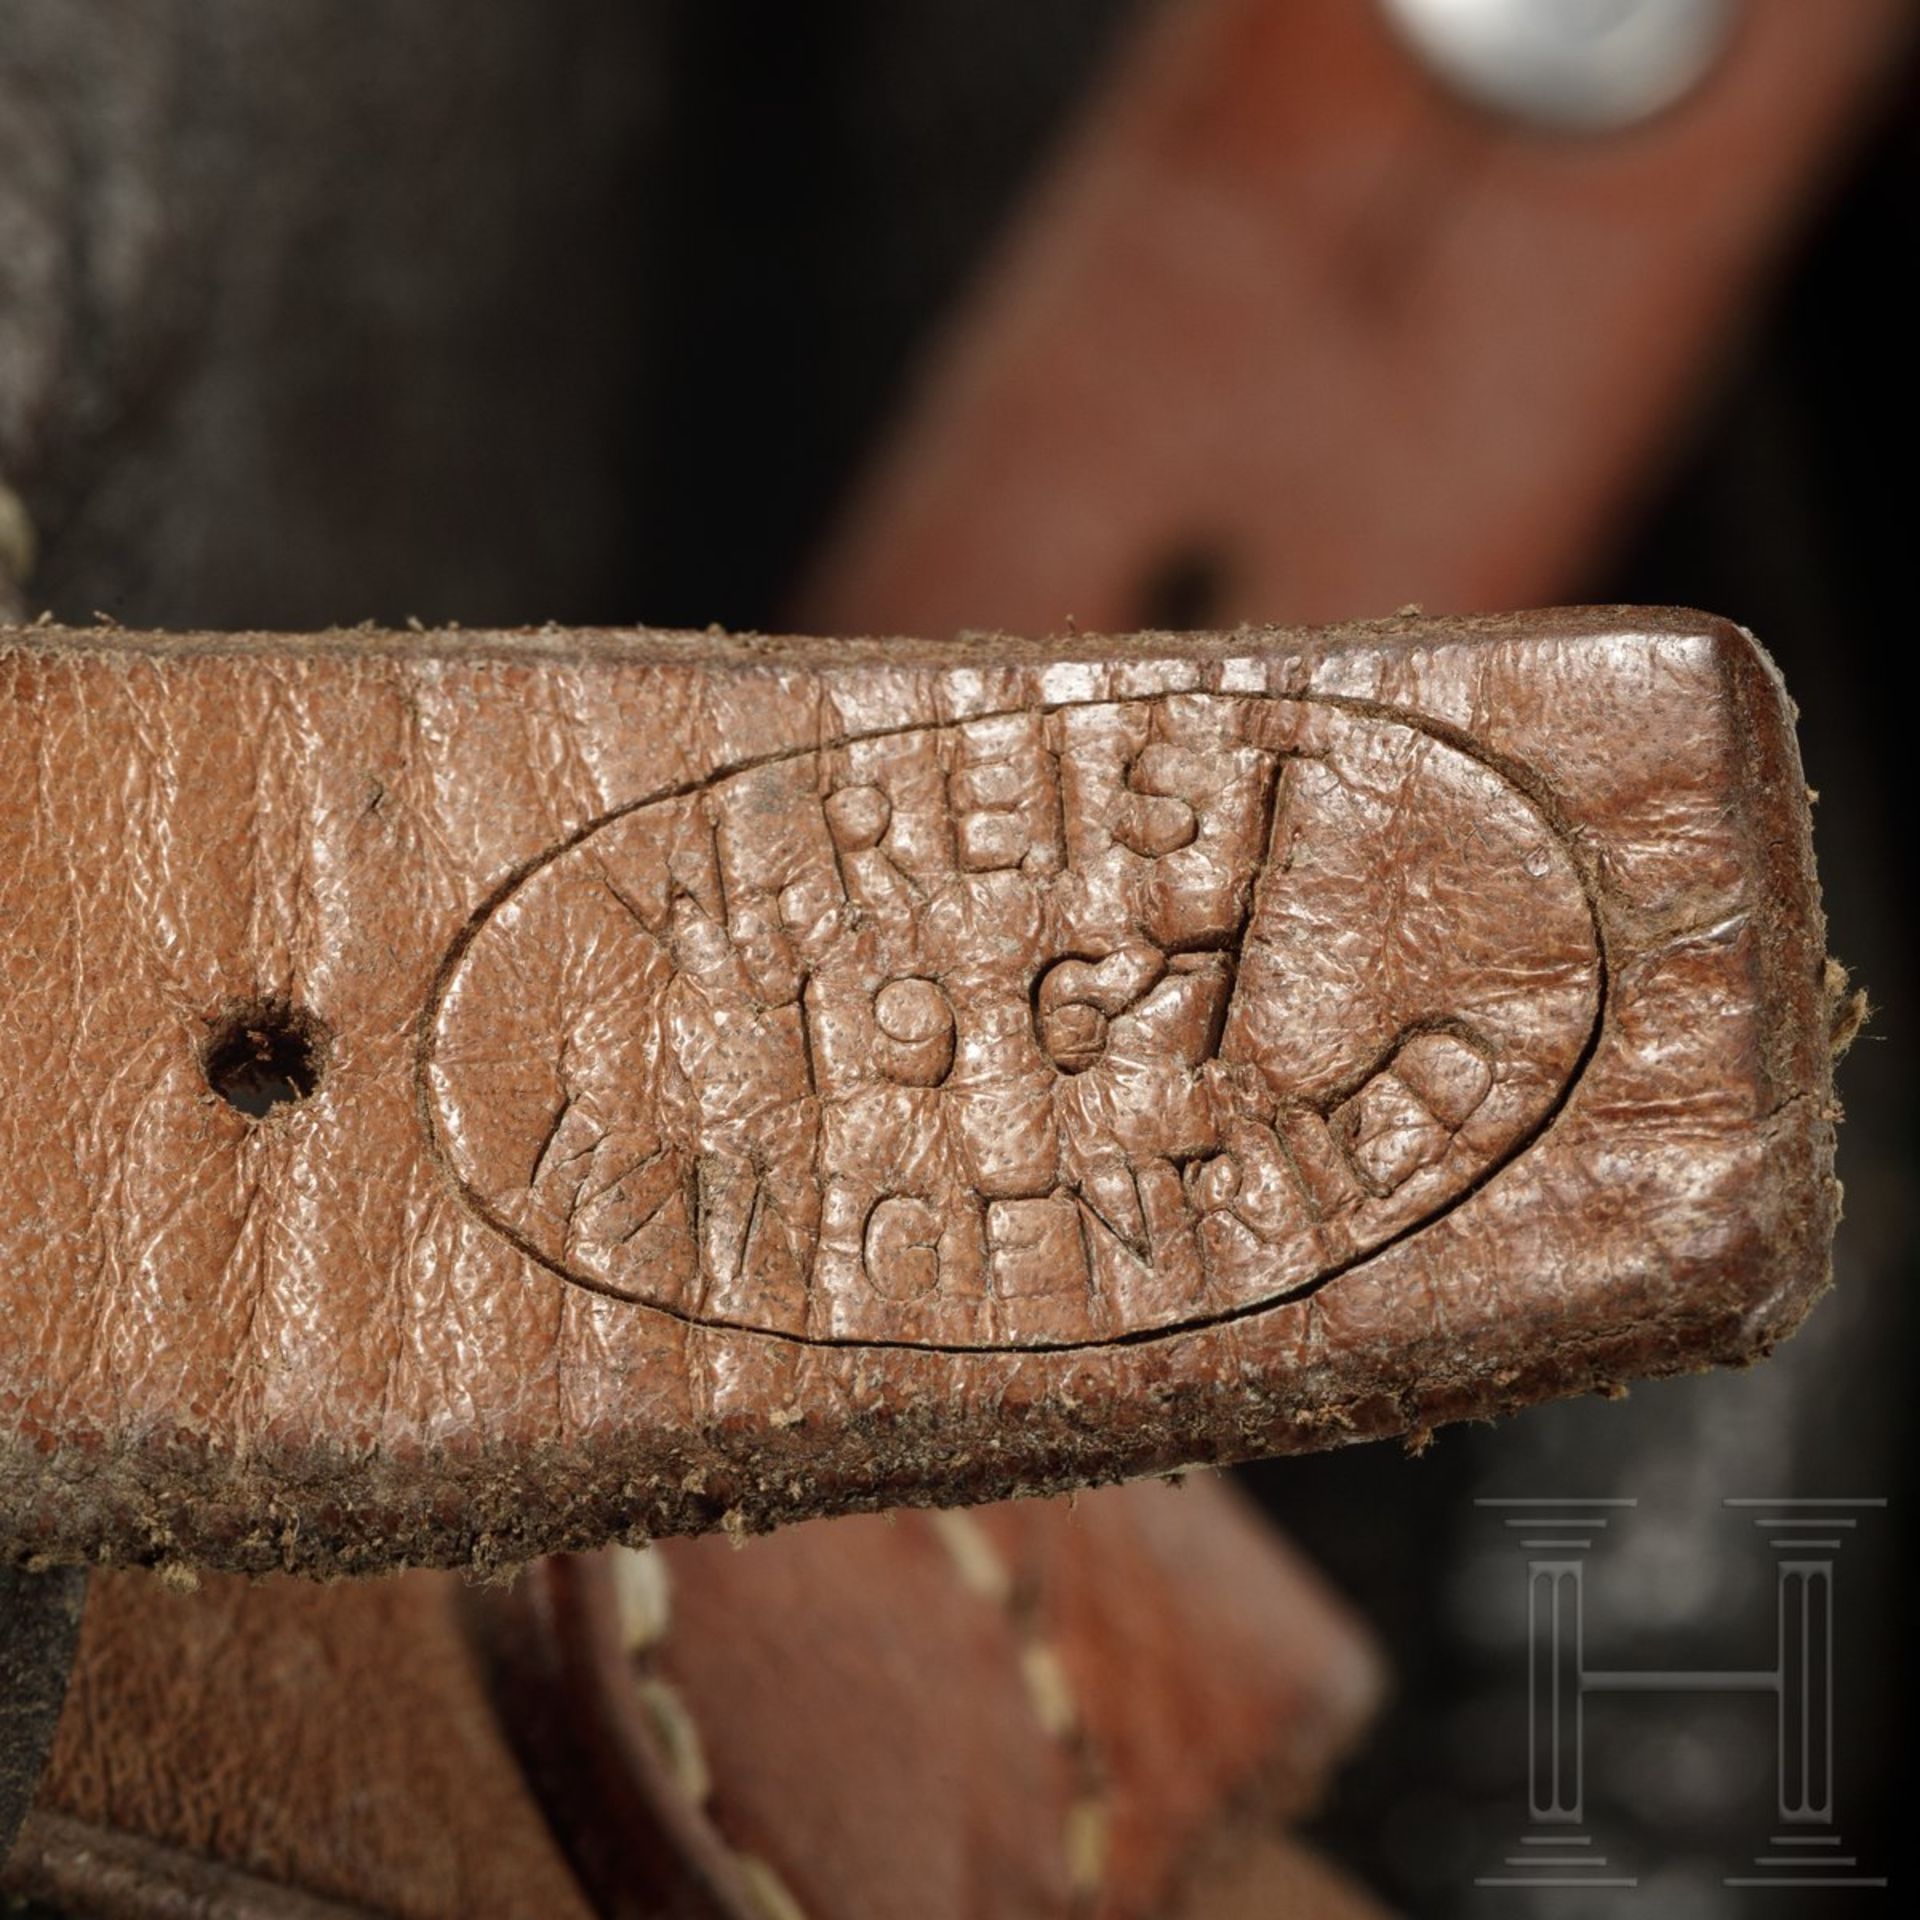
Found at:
[327, 1742]
[941, 1715]
[1049, 1711]
[1292, 332]
[725, 1082]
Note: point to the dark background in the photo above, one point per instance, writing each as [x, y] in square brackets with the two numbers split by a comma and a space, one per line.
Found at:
[591, 311]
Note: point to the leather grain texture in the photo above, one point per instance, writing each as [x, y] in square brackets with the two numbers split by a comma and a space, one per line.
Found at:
[739, 1080]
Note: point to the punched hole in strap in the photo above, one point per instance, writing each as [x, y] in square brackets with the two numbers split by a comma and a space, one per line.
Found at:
[263, 1055]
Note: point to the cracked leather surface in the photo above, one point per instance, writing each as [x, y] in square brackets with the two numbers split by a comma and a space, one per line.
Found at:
[760, 1079]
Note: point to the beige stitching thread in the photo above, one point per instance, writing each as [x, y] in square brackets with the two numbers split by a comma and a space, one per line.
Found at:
[975, 1558]
[680, 1743]
[984, 1572]
[767, 1890]
[643, 1601]
[1049, 1692]
[643, 1597]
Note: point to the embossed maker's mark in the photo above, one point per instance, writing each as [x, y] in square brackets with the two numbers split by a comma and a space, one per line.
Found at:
[1045, 1028]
